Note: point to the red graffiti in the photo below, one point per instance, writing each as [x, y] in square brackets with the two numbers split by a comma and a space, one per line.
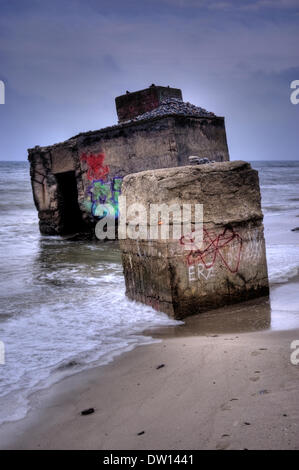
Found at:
[96, 168]
[213, 247]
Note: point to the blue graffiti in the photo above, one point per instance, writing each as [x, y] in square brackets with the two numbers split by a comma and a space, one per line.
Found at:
[103, 197]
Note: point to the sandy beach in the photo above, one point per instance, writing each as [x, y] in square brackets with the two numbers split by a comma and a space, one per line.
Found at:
[194, 389]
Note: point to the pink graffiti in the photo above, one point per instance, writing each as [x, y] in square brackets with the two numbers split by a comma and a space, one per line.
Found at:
[213, 248]
[96, 168]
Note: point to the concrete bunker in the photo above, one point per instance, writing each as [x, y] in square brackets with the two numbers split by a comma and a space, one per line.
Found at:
[156, 129]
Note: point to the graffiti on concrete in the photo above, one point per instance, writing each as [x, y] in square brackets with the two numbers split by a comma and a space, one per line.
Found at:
[103, 192]
[254, 248]
[103, 197]
[225, 247]
[198, 271]
[96, 169]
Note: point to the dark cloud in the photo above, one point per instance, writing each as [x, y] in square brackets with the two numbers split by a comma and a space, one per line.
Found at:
[64, 62]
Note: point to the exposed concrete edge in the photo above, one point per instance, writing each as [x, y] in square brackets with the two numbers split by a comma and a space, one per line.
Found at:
[255, 219]
[72, 140]
[206, 168]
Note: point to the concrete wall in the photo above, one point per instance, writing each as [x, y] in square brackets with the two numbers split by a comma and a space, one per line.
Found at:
[201, 137]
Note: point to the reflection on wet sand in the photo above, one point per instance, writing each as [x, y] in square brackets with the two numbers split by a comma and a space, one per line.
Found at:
[279, 313]
[253, 315]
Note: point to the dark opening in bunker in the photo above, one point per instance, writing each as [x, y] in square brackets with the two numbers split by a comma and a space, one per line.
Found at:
[69, 210]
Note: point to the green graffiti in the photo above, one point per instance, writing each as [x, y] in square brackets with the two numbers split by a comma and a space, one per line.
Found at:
[102, 197]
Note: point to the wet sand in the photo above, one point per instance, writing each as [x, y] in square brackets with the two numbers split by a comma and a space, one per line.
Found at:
[225, 382]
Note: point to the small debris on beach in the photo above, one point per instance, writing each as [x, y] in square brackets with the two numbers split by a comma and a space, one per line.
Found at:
[296, 229]
[140, 433]
[88, 411]
[247, 424]
[160, 366]
[263, 392]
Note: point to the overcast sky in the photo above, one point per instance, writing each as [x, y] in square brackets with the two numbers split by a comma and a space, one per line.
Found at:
[64, 61]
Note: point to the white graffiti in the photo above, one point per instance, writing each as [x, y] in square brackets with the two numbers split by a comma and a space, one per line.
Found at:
[253, 249]
[196, 271]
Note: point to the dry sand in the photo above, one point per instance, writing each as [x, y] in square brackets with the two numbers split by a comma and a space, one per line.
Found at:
[234, 390]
